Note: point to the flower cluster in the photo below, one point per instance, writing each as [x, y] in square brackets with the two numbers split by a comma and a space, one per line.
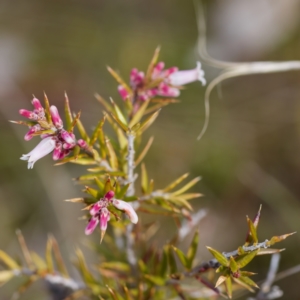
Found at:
[162, 82]
[100, 213]
[54, 137]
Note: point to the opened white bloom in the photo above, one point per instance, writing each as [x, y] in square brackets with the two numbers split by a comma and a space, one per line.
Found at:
[45, 147]
[187, 76]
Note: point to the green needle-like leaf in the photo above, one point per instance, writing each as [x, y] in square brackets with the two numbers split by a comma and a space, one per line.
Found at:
[139, 114]
[181, 256]
[6, 259]
[144, 179]
[192, 250]
[245, 259]
[233, 265]
[68, 113]
[219, 257]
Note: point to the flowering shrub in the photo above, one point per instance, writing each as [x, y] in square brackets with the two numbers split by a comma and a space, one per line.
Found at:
[133, 269]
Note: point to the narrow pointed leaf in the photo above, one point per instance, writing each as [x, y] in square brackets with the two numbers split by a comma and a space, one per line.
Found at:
[187, 186]
[113, 160]
[86, 274]
[171, 261]
[228, 285]
[75, 119]
[139, 114]
[164, 263]
[144, 179]
[58, 258]
[122, 139]
[245, 259]
[6, 276]
[119, 79]
[108, 186]
[219, 257]
[101, 140]
[144, 152]
[49, 260]
[192, 250]
[122, 192]
[277, 239]
[148, 122]
[82, 130]
[175, 182]
[91, 192]
[181, 256]
[95, 133]
[47, 109]
[105, 103]
[6, 259]
[120, 123]
[118, 112]
[152, 63]
[243, 284]
[233, 265]
[268, 251]
[155, 279]
[220, 280]
[39, 262]
[99, 183]
[68, 113]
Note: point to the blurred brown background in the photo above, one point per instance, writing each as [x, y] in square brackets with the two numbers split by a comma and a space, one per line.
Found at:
[248, 156]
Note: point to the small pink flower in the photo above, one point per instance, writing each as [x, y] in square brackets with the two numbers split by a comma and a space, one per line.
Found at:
[45, 147]
[57, 121]
[187, 76]
[100, 213]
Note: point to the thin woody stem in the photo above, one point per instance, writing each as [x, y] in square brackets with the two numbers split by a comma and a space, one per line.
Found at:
[130, 192]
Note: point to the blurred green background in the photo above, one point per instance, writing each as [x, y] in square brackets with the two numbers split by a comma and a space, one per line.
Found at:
[248, 156]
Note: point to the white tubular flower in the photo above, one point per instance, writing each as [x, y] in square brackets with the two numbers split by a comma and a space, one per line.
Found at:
[127, 208]
[45, 147]
[187, 76]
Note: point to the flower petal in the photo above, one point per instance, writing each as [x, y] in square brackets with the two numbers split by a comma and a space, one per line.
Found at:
[127, 208]
[91, 225]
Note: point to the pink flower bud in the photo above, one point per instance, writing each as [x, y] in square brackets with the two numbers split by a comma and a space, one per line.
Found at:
[167, 91]
[184, 77]
[169, 71]
[127, 208]
[109, 195]
[67, 146]
[57, 121]
[133, 74]
[82, 144]
[28, 114]
[29, 135]
[57, 151]
[158, 69]
[91, 225]
[37, 104]
[65, 135]
[123, 92]
[64, 153]
[45, 146]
